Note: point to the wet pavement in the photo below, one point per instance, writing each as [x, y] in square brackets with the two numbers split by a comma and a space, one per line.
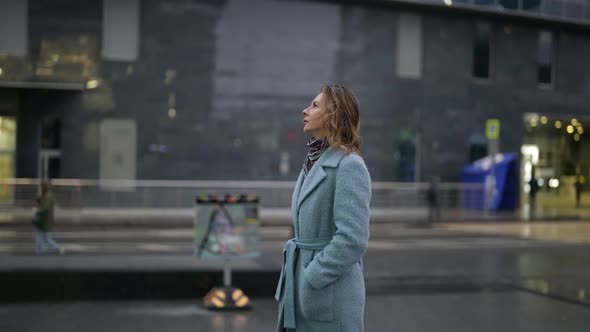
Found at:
[464, 311]
[484, 276]
[564, 232]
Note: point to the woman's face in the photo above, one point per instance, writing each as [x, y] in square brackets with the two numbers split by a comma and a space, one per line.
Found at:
[313, 123]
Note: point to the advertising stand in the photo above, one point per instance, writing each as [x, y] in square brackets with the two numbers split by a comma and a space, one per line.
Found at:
[226, 228]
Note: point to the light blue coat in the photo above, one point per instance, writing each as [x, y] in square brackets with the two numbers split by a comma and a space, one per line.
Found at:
[331, 203]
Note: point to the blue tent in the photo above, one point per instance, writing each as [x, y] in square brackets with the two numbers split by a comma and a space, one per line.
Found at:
[506, 189]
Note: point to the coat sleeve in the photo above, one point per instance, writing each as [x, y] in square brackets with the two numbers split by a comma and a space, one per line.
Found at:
[351, 216]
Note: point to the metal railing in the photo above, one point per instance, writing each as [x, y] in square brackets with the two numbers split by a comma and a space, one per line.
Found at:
[78, 193]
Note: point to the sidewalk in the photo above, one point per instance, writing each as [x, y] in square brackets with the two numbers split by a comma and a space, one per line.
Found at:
[276, 216]
[567, 231]
[490, 311]
[435, 261]
[458, 256]
[108, 215]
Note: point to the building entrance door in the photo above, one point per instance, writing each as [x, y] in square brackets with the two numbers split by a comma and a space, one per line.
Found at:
[49, 164]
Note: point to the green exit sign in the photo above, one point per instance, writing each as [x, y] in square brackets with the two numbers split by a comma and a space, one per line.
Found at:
[492, 129]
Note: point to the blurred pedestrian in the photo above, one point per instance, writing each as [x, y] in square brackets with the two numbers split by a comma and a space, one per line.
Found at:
[43, 221]
[579, 186]
[321, 286]
[533, 189]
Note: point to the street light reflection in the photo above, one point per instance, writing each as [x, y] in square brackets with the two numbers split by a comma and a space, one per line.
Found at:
[238, 322]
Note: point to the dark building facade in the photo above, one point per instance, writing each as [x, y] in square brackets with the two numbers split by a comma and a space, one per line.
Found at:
[203, 89]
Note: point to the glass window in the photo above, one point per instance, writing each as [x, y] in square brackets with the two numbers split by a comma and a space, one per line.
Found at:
[7, 149]
[509, 4]
[574, 9]
[67, 58]
[532, 5]
[485, 2]
[13, 27]
[546, 58]
[405, 156]
[7, 134]
[120, 30]
[6, 172]
[50, 133]
[552, 7]
[482, 50]
[409, 46]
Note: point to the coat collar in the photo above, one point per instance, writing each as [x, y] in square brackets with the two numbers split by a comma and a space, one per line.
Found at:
[330, 158]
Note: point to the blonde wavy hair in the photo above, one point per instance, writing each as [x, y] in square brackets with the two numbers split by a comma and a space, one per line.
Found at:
[342, 118]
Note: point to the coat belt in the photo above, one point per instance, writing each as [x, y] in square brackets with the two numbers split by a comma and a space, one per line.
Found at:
[286, 289]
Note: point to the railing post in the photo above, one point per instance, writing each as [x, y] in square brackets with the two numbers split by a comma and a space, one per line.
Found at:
[112, 198]
[144, 196]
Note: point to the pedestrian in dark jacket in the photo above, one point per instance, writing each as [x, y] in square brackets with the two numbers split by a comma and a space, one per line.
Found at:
[43, 221]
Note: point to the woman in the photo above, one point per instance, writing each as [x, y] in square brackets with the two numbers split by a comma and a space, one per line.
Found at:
[321, 286]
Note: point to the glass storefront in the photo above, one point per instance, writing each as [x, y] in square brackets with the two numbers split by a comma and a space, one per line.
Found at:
[7, 155]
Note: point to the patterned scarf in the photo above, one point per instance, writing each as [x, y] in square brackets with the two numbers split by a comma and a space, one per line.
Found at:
[317, 146]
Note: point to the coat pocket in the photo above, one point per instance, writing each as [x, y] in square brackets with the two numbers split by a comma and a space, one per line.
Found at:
[317, 304]
[279, 291]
